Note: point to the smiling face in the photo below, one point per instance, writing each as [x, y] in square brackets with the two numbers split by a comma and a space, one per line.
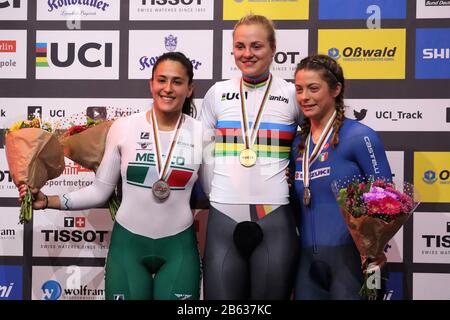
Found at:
[170, 86]
[252, 50]
[314, 95]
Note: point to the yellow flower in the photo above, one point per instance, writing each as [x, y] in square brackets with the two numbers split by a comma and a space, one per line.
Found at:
[35, 123]
[16, 126]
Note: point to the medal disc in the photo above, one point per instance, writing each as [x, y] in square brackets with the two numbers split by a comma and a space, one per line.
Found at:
[306, 197]
[161, 190]
[247, 157]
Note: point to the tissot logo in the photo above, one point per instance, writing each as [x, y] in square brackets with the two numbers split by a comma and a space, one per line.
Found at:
[100, 54]
[96, 113]
[74, 235]
[5, 176]
[13, 3]
[170, 2]
[438, 240]
[74, 222]
[281, 57]
[34, 112]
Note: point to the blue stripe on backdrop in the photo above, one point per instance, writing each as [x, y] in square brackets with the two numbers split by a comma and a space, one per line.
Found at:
[357, 9]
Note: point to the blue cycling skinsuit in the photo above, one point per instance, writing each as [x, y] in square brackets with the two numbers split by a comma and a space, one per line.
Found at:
[330, 266]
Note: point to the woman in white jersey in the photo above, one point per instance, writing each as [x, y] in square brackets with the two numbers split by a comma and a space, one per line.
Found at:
[153, 252]
[251, 242]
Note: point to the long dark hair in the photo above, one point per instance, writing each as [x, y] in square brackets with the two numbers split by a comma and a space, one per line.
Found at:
[188, 105]
[331, 72]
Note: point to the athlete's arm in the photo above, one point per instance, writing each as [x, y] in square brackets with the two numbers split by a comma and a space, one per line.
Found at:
[371, 155]
[209, 120]
[106, 178]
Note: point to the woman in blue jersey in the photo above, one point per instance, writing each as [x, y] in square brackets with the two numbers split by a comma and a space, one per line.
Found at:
[330, 147]
[251, 241]
[153, 252]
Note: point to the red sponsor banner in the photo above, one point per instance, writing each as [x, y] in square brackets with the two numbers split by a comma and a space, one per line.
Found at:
[7, 45]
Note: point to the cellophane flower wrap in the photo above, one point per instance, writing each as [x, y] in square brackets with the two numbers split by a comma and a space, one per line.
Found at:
[34, 156]
[374, 210]
[85, 145]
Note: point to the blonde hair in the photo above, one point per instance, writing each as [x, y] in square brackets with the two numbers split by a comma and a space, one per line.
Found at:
[250, 19]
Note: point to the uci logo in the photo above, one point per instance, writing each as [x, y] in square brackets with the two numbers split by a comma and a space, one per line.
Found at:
[6, 4]
[100, 54]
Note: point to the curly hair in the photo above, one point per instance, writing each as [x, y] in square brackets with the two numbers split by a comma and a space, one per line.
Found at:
[331, 72]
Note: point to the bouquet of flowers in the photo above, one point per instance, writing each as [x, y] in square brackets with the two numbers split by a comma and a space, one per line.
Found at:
[85, 145]
[34, 156]
[374, 211]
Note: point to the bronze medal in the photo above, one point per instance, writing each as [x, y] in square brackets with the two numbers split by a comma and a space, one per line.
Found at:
[306, 197]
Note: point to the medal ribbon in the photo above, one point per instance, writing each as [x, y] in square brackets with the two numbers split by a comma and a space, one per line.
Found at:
[309, 160]
[162, 167]
[250, 135]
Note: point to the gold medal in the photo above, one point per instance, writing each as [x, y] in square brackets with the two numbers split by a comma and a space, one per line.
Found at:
[247, 158]
[306, 197]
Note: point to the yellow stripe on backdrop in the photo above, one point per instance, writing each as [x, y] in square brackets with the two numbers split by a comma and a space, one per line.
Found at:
[275, 10]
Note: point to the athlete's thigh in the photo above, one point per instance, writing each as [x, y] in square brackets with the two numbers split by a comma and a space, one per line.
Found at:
[126, 277]
[179, 277]
[226, 274]
[273, 264]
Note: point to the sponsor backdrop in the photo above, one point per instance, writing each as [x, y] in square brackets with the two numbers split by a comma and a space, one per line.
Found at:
[61, 60]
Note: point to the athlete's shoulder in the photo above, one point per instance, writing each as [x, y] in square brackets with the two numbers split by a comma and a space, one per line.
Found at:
[125, 122]
[224, 84]
[353, 128]
[191, 121]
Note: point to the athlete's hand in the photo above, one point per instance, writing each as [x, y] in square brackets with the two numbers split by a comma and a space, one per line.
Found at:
[39, 199]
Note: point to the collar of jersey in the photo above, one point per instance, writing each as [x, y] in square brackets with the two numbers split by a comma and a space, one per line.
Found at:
[256, 83]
